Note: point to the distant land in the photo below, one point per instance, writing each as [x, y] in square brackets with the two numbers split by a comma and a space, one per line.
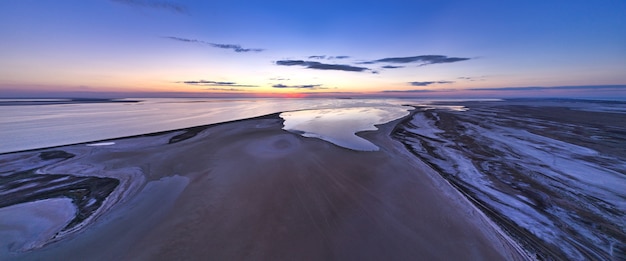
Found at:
[581, 91]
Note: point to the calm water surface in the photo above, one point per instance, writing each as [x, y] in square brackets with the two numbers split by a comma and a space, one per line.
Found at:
[339, 125]
[26, 127]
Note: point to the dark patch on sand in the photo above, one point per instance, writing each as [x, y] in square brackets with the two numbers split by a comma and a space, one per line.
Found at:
[193, 131]
[55, 154]
[86, 193]
[188, 134]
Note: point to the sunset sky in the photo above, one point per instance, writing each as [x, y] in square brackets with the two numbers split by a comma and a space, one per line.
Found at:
[388, 48]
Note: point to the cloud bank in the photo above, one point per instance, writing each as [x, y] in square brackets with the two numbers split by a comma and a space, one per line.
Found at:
[421, 60]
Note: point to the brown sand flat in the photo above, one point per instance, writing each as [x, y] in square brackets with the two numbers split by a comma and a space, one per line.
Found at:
[252, 191]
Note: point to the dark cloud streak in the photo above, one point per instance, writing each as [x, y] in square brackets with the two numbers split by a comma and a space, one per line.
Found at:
[217, 84]
[322, 66]
[429, 83]
[391, 67]
[326, 57]
[421, 59]
[307, 86]
[166, 5]
[235, 47]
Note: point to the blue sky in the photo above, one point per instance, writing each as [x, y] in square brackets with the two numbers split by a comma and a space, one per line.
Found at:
[323, 47]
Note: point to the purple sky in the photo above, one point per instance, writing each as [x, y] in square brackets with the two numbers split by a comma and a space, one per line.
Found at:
[259, 48]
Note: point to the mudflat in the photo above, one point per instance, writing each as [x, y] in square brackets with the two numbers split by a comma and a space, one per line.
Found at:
[250, 190]
[550, 172]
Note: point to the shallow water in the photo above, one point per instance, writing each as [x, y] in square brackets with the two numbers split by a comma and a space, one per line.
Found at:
[33, 223]
[340, 125]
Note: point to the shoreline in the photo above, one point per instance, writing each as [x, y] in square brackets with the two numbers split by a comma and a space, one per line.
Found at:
[157, 133]
[387, 130]
[271, 154]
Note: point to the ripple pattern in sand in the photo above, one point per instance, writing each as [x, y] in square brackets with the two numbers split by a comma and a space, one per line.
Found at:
[540, 172]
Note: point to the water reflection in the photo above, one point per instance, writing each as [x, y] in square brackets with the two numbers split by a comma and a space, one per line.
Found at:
[38, 126]
[339, 126]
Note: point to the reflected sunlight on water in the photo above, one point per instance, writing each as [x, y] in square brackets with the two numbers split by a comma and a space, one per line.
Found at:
[340, 125]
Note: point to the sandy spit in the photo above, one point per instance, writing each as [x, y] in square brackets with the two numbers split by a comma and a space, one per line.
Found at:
[248, 190]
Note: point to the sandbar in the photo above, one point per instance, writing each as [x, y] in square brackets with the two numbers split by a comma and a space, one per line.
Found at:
[249, 190]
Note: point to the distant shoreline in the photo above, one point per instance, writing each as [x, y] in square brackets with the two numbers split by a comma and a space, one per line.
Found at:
[57, 101]
[570, 102]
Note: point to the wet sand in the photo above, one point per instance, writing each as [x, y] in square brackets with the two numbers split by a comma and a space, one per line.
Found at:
[250, 190]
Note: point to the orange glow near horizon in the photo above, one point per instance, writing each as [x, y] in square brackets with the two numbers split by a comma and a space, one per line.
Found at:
[295, 95]
[172, 89]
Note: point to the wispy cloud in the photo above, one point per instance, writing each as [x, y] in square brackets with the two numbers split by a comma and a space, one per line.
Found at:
[322, 66]
[326, 57]
[279, 79]
[224, 89]
[217, 83]
[307, 86]
[420, 59]
[186, 40]
[429, 83]
[234, 47]
[472, 79]
[411, 91]
[166, 5]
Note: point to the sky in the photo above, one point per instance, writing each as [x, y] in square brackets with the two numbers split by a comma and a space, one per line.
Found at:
[312, 48]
